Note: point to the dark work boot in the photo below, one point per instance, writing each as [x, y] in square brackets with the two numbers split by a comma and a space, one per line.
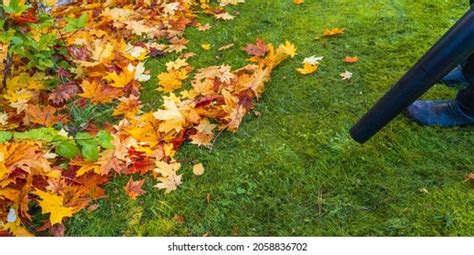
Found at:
[439, 113]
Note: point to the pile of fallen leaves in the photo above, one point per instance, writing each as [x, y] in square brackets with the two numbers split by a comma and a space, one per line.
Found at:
[67, 130]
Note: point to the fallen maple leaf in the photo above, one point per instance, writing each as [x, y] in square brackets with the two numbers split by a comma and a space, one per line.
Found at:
[177, 44]
[346, 75]
[120, 80]
[203, 28]
[224, 16]
[54, 205]
[288, 48]
[128, 106]
[298, 2]
[313, 60]
[171, 117]
[172, 80]
[206, 46]
[204, 134]
[333, 32]
[63, 93]
[108, 161]
[99, 93]
[43, 115]
[166, 169]
[308, 68]
[134, 188]
[351, 59]
[177, 64]
[259, 49]
[169, 183]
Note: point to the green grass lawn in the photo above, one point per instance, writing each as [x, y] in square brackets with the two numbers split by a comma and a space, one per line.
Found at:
[294, 170]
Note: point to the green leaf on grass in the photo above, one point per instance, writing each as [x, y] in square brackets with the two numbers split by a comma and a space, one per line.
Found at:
[67, 149]
[89, 146]
[105, 139]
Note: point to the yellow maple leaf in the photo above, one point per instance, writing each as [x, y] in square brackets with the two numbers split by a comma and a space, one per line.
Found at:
[177, 64]
[120, 80]
[308, 69]
[88, 167]
[18, 95]
[298, 2]
[172, 80]
[16, 229]
[53, 204]
[288, 48]
[189, 94]
[206, 46]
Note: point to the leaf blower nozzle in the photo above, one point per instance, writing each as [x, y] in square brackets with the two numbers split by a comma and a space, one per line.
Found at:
[451, 50]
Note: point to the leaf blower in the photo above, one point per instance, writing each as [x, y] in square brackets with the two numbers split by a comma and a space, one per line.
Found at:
[451, 50]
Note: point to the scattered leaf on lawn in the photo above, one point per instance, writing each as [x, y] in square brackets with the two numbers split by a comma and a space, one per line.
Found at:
[333, 32]
[351, 59]
[346, 75]
[134, 188]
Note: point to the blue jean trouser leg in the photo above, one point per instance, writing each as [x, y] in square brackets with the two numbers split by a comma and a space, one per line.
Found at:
[466, 96]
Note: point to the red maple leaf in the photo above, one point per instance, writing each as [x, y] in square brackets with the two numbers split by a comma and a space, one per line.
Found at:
[259, 49]
[63, 93]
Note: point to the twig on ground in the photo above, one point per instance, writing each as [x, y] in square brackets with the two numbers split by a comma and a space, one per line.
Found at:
[211, 147]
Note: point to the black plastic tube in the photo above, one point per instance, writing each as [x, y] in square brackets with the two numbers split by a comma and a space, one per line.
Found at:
[454, 47]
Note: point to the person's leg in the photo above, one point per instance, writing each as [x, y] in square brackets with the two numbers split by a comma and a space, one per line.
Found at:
[449, 113]
[456, 76]
[466, 99]
[466, 96]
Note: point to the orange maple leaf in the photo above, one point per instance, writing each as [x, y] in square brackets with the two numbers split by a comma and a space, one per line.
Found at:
[172, 80]
[333, 32]
[44, 116]
[99, 93]
[134, 188]
[128, 107]
[351, 60]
